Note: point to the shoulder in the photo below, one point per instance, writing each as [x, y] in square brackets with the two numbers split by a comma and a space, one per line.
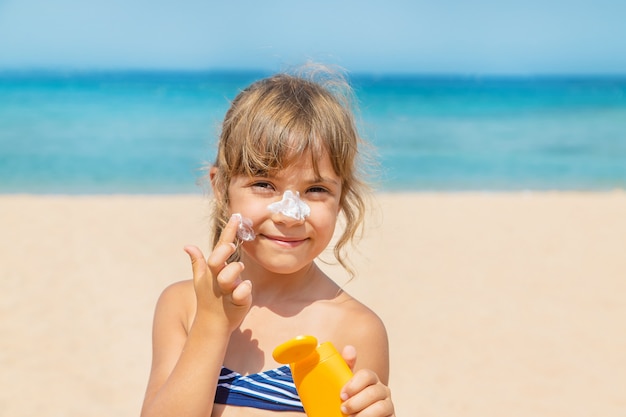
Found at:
[177, 302]
[177, 293]
[178, 289]
[360, 321]
[357, 325]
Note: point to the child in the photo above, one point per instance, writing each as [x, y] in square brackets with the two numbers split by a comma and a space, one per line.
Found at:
[286, 169]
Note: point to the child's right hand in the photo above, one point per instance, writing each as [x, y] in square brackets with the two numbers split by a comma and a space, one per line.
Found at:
[221, 294]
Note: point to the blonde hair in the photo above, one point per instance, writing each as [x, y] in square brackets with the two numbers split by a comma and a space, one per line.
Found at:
[274, 121]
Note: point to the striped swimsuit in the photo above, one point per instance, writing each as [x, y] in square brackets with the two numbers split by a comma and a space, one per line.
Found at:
[268, 390]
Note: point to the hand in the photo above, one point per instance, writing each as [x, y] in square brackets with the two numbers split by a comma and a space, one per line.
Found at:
[364, 395]
[220, 292]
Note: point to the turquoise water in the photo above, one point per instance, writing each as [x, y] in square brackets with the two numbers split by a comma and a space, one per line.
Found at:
[152, 132]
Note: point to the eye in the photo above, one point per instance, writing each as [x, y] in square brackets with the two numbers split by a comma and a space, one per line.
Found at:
[262, 186]
[317, 189]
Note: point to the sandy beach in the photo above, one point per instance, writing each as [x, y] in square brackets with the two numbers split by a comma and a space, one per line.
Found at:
[497, 304]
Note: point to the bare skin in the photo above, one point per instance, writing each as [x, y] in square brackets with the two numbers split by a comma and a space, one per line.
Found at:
[234, 314]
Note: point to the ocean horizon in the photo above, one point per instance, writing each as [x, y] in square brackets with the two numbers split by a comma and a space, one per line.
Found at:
[152, 132]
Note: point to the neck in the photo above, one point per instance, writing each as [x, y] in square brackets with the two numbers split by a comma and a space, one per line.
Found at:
[269, 288]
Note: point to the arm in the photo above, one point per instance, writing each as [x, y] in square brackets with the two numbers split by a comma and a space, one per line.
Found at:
[367, 393]
[186, 364]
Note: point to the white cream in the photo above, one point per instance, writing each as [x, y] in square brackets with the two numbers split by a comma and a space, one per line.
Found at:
[291, 206]
[244, 230]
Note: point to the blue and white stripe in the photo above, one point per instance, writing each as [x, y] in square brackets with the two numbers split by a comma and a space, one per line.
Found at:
[269, 390]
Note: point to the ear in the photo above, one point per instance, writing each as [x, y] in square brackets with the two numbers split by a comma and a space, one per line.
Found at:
[212, 178]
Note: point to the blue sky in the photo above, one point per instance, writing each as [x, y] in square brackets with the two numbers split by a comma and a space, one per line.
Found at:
[444, 36]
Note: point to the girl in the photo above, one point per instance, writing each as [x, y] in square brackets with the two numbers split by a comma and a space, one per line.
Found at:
[286, 168]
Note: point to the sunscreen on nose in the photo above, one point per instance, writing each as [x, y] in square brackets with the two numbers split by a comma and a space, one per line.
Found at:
[291, 206]
[319, 373]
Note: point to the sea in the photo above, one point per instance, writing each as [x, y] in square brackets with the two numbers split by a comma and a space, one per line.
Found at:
[152, 132]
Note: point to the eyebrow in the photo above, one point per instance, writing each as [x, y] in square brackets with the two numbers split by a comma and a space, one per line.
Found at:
[324, 180]
[314, 180]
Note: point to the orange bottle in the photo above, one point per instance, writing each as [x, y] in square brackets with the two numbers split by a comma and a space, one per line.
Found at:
[319, 373]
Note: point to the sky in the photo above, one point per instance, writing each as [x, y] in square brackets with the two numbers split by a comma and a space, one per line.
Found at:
[470, 37]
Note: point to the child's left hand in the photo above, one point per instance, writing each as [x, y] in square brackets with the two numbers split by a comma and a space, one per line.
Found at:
[365, 395]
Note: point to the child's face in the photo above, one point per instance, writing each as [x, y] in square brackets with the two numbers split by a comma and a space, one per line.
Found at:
[283, 244]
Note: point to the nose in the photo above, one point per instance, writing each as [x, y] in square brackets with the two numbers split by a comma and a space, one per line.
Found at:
[280, 218]
[290, 208]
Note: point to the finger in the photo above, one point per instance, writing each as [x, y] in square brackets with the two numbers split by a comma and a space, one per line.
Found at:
[242, 294]
[198, 264]
[359, 381]
[224, 247]
[229, 278]
[363, 408]
[229, 233]
[221, 252]
[230, 283]
[369, 398]
[349, 355]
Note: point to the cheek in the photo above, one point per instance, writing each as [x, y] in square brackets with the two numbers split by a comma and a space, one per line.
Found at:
[325, 216]
[254, 209]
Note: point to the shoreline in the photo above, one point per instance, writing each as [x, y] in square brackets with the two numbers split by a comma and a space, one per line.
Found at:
[374, 196]
[495, 302]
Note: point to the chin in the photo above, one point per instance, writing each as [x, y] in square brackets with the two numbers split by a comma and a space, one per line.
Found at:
[286, 269]
[276, 262]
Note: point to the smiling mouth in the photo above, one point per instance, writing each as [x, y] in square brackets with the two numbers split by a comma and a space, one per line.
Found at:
[286, 241]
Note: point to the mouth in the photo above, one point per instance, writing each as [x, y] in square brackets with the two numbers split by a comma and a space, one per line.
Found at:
[286, 241]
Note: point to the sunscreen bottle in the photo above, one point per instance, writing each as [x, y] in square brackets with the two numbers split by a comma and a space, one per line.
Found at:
[319, 372]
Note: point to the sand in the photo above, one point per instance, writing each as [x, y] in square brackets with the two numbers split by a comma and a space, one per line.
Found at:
[504, 304]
